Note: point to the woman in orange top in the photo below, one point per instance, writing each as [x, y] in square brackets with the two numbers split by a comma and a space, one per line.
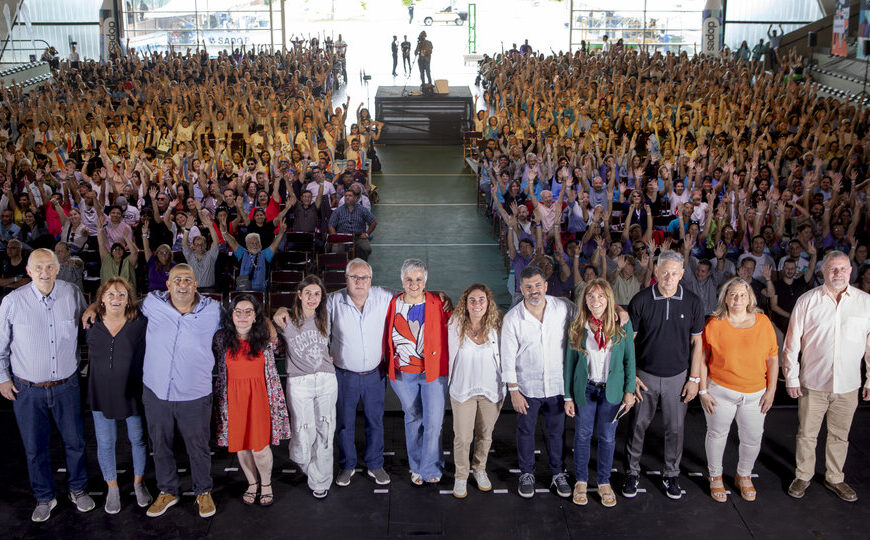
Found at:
[738, 379]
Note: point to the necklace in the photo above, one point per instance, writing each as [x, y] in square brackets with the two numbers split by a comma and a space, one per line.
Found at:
[474, 333]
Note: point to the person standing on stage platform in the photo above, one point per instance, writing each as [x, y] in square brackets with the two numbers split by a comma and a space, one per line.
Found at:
[406, 56]
[411, 13]
[394, 48]
[424, 53]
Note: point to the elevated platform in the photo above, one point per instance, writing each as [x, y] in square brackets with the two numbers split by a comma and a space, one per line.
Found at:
[412, 118]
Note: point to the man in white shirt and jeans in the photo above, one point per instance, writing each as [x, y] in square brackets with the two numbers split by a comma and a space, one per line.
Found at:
[532, 351]
[830, 325]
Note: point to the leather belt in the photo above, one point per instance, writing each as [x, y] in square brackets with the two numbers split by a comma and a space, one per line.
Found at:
[47, 384]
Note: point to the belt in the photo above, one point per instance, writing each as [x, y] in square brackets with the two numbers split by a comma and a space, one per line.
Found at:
[596, 384]
[47, 384]
[369, 372]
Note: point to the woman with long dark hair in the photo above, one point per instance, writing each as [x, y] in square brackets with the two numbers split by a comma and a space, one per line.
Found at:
[312, 389]
[250, 411]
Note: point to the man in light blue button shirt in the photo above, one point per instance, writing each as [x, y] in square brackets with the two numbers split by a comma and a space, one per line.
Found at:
[357, 315]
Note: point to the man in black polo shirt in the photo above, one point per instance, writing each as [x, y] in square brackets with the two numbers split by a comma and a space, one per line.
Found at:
[668, 322]
[789, 287]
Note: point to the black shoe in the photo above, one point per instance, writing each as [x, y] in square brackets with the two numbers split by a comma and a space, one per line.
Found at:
[526, 487]
[560, 482]
[672, 487]
[629, 487]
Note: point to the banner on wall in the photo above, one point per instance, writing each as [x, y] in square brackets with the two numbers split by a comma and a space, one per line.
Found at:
[711, 27]
[840, 30]
[109, 38]
[863, 27]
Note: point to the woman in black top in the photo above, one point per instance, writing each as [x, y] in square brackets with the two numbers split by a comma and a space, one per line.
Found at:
[116, 350]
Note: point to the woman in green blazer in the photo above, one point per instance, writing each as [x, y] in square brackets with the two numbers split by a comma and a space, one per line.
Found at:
[599, 376]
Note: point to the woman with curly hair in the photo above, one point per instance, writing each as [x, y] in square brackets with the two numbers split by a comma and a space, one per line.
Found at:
[312, 388]
[599, 379]
[475, 387]
[250, 406]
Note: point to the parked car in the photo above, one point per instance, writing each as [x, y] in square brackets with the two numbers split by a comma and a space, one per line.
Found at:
[447, 15]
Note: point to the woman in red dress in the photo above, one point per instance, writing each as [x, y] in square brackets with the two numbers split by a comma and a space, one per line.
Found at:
[250, 409]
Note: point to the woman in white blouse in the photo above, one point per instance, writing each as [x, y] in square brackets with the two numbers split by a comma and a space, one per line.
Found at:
[475, 387]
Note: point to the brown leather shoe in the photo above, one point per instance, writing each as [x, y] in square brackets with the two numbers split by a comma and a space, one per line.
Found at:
[798, 488]
[843, 491]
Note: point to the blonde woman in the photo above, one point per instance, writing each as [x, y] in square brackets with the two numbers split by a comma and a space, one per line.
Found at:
[475, 387]
[599, 378]
[738, 380]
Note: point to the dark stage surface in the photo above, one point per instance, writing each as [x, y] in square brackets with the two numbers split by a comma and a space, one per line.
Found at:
[417, 119]
[362, 510]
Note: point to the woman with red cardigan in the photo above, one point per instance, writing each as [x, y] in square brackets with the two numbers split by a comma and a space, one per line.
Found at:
[415, 342]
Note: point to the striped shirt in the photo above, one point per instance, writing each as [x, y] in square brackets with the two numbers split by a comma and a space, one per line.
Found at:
[346, 221]
[39, 334]
[203, 268]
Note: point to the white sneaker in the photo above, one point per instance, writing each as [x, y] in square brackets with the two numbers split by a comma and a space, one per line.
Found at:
[459, 488]
[483, 483]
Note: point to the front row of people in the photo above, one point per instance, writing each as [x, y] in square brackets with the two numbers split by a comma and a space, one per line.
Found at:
[593, 362]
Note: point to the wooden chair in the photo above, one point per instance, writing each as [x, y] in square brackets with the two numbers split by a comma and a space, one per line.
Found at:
[291, 260]
[287, 277]
[331, 261]
[259, 295]
[299, 241]
[344, 241]
[219, 297]
[334, 277]
[279, 299]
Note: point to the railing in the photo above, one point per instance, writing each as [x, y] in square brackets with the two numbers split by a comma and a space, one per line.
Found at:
[24, 54]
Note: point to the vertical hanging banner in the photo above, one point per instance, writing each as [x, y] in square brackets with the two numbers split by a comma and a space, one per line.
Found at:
[863, 27]
[109, 38]
[8, 17]
[840, 29]
[711, 28]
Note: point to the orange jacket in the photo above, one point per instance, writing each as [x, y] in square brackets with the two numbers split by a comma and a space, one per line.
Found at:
[434, 338]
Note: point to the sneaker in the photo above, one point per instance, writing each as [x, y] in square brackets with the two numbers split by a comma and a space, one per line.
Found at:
[343, 478]
[206, 505]
[113, 501]
[83, 501]
[672, 487]
[380, 476]
[43, 511]
[143, 497]
[526, 487]
[629, 486]
[482, 480]
[162, 504]
[320, 494]
[460, 490]
[560, 482]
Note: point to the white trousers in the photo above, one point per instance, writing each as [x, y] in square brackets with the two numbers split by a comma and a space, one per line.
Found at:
[746, 408]
[311, 400]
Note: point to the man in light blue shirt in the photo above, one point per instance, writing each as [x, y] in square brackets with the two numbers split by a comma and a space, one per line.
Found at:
[38, 373]
[357, 315]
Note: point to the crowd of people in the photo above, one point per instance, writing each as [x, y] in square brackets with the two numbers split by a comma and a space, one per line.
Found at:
[700, 211]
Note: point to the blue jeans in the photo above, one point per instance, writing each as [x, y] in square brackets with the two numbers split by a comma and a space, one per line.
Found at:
[553, 411]
[106, 430]
[597, 410]
[353, 387]
[423, 405]
[34, 407]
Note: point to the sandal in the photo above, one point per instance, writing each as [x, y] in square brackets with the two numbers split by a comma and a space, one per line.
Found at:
[416, 479]
[717, 489]
[249, 497]
[266, 499]
[579, 496]
[434, 480]
[747, 490]
[608, 497]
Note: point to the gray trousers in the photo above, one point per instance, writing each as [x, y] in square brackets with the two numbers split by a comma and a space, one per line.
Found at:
[664, 390]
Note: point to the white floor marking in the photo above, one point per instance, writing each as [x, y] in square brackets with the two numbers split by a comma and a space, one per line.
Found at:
[381, 491]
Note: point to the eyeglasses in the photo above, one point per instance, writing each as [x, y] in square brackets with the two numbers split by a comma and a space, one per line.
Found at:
[359, 278]
[243, 312]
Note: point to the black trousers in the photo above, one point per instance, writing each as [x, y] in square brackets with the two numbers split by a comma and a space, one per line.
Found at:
[193, 420]
[395, 63]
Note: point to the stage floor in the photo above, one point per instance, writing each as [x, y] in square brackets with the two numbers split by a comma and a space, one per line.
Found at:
[364, 510]
[412, 118]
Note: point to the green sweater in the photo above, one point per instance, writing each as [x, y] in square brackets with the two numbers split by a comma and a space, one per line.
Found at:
[621, 375]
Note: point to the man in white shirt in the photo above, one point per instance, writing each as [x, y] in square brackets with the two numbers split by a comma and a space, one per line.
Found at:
[830, 325]
[532, 348]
